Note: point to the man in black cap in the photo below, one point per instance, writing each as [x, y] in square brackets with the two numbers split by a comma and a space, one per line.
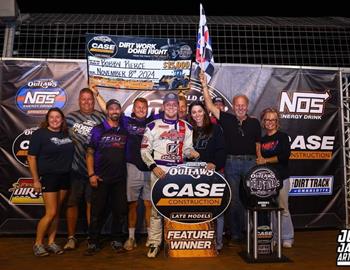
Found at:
[220, 104]
[106, 165]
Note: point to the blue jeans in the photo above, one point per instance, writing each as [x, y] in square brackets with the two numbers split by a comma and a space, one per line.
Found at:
[219, 231]
[235, 171]
[287, 228]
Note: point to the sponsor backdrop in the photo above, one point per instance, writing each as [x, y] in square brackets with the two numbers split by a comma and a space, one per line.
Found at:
[308, 100]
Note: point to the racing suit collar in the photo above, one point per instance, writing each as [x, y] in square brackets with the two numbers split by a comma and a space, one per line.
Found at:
[170, 122]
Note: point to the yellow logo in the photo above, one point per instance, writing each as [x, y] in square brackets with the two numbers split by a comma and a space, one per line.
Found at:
[23, 193]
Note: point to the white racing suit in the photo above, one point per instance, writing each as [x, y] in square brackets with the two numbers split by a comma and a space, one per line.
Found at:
[165, 143]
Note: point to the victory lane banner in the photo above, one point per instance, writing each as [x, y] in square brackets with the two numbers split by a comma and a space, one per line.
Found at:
[139, 63]
[309, 103]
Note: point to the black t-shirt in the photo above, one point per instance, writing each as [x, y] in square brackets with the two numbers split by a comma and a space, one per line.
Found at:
[277, 145]
[211, 147]
[109, 157]
[240, 139]
[53, 151]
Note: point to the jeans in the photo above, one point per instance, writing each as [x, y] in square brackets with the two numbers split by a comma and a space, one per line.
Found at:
[235, 172]
[287, 228]
[219, 231]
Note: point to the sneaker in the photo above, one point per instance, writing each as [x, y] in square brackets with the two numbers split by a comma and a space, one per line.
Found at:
[153, 251]
[234, 242]
[231, 243]
[72, 243]
[40, 251]
[91, 250]
[117, 246]
[287, 243]
[219, 247]
[130, 244]
[54, 248]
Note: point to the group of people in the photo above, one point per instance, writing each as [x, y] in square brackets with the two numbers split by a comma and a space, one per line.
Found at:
[111, 161]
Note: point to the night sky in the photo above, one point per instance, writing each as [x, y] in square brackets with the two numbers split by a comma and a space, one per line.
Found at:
[291, 8]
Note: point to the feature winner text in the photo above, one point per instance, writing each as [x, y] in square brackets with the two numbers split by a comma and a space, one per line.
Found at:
[196, 239]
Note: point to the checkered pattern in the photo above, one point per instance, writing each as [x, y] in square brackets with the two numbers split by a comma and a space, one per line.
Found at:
[204, 52]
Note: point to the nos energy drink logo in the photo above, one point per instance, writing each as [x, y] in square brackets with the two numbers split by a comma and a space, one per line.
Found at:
[38, 96]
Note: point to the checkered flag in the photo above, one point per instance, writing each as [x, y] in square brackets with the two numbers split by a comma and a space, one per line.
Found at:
[204, 52]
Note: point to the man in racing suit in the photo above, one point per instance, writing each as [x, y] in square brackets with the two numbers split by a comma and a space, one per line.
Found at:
[166, 142]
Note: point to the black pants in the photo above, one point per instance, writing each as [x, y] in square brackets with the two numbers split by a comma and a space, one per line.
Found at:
[113, 194]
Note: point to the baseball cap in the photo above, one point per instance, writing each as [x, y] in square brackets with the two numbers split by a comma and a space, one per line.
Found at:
[170, 97]
[218, 99]
[112, 101]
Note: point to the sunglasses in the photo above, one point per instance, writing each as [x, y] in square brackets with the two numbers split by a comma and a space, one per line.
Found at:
[241, 131]
[270, 120]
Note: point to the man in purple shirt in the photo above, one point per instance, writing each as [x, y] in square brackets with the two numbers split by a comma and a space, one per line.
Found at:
[106, 165]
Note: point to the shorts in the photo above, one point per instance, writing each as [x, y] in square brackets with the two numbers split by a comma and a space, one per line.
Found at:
[137, 182]
[55, 182]
[80, 188]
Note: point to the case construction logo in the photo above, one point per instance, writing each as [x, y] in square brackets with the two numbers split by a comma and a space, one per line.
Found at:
[20, 146]
[343, 248]
[102, 47]
[191, 194]
[312, 147]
